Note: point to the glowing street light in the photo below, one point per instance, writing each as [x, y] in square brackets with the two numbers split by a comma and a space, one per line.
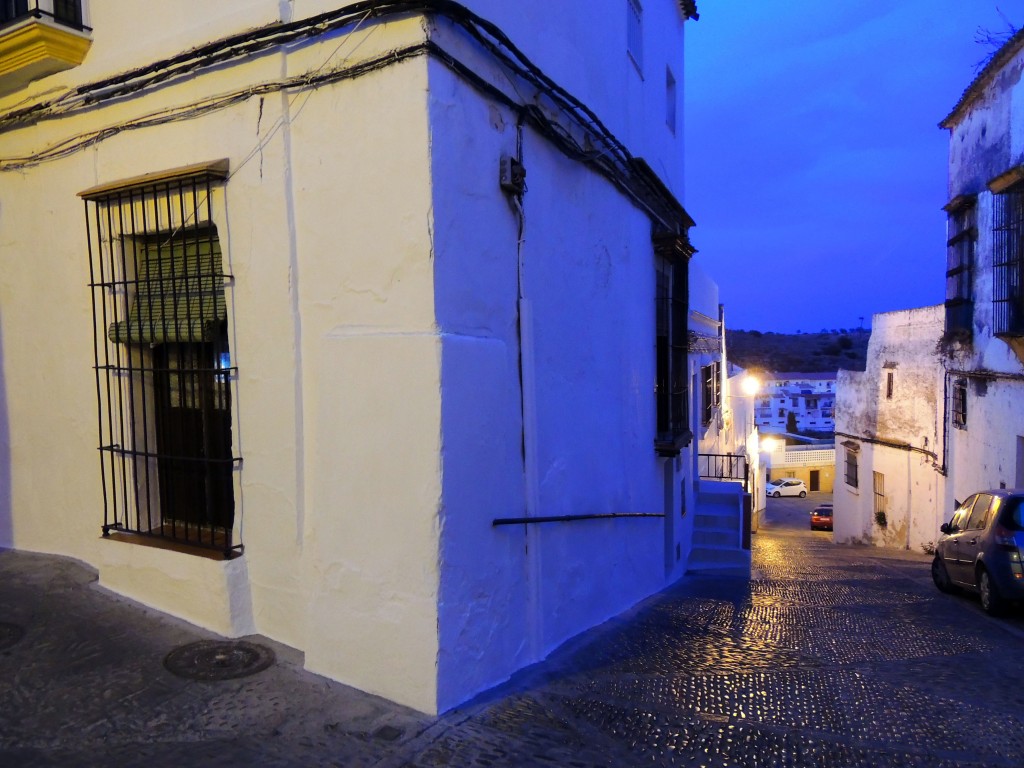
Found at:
[750, 385]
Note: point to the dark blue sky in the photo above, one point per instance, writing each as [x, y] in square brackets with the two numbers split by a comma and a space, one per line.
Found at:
[815, 168]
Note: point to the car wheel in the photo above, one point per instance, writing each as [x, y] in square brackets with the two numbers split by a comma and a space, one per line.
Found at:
[802, 494]
[776, 495]
[991, 601]
[941, 576]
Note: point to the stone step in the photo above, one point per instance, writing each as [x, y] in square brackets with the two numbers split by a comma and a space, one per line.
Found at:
[715, 537]
[715, 558]
[713, 522]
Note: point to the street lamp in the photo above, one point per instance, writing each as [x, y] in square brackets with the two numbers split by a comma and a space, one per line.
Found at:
[750, 385]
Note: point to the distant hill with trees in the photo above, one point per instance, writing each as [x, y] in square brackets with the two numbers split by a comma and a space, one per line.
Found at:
[803, 352]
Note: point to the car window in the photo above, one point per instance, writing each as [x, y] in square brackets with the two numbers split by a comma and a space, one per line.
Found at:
[979, 514]
[963, 512]
[1013, 513]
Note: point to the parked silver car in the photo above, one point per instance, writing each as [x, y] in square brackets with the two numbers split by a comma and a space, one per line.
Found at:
[980, 549]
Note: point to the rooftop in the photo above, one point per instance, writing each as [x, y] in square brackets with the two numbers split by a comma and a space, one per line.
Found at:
[988, 73]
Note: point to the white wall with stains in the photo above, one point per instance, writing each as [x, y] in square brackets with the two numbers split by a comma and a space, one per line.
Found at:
[416, 357]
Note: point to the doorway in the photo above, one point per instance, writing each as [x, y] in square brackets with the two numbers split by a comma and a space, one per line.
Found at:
[815, 480]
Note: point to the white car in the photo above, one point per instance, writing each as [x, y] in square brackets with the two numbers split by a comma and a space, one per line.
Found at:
[786, 486]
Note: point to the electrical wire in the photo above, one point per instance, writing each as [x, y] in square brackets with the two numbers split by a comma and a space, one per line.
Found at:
[581, 136]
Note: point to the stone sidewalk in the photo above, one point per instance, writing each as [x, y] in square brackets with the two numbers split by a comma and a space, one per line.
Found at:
[829, 657]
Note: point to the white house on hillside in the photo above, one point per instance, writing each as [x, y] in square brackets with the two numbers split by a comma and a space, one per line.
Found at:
[810, 397]
[375, 311]
[940, 413]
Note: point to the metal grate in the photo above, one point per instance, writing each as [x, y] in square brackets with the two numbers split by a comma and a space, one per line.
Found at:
[711, 376]
[723, 466]
[65, 12]
[960, 256]
[1008, 263]
[635, 33]
[671, 345]
[959, 408]
[163, 364]
[851, 468]
[878, 480]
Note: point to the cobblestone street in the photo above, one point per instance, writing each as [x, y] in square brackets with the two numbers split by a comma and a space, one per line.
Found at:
[829, 656]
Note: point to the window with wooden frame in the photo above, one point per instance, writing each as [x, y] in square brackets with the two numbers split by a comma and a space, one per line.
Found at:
[162, 359]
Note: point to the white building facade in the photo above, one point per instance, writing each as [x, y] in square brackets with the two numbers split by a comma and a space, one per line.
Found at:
[888, 470]
[810, 397]
[336, 290]
[939, 413]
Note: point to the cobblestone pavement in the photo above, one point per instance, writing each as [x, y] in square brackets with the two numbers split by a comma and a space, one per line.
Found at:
[828, 657]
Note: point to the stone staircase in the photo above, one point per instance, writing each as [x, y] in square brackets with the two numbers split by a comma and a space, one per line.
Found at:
[717, 529]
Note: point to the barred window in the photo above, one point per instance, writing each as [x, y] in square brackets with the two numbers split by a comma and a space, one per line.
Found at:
[959, 405]
[711, 376]
[671, 345]
[962, 233]
[66, 12]
[1008, 263]
[635, 33]
[890, 384]
[851, 467]
[162, 359]
[879, 493]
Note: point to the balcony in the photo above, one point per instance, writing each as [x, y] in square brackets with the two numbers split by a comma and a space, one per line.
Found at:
[39, 38]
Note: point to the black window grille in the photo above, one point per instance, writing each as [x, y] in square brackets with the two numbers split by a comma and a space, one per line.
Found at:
[962, 232]
[851, 468]
[1008, 263]
[671, 344]
[890, 384]
[66, 12]
[162, 360]
[879, 493]
[712, 386]
[635, 33]
[959, 406]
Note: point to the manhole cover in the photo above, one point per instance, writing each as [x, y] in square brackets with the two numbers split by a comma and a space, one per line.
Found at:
[10, 634]
[218, 659]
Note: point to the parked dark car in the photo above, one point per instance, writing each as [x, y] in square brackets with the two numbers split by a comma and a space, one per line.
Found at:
[980, 549]
[821, 518]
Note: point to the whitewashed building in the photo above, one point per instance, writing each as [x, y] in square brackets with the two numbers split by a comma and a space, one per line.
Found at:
[809, 397]
[939, 413]
[888, 471]
[726, 465]
[358, 325]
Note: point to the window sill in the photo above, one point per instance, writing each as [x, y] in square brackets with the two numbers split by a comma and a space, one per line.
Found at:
[158, 542]
[37, 48]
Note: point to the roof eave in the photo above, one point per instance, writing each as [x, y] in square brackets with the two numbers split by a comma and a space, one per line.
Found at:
[999, 60]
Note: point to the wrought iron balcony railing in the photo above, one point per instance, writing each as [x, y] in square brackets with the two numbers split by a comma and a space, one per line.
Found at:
[65, 12]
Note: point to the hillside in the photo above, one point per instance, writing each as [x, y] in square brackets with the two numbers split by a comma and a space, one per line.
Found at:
[803, 352]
